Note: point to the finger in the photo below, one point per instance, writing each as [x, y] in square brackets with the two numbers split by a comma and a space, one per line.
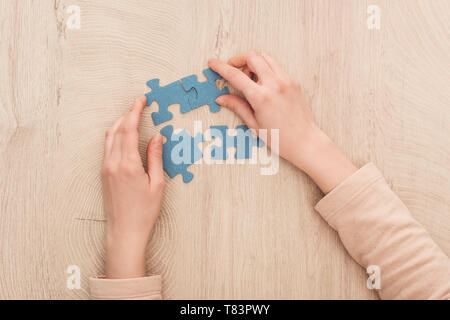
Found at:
[116, 145]
[256, 63]
[154, 160]
[109, 137]
[274, 65]
[236, 77]
[247, 72]
[240, 107]
[129, 128]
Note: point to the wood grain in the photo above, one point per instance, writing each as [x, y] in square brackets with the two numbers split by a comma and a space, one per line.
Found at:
[382, 95]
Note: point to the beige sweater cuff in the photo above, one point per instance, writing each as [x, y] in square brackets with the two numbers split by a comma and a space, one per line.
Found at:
[347, 192]
[146, 288]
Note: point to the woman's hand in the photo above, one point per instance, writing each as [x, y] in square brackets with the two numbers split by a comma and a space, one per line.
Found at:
[276, 101]
[131, 197]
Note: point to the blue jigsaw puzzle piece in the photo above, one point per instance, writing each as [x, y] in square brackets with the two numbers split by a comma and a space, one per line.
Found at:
[165, 96]
[179, 152]
[243, 141]
[220, 152]
[207, 91]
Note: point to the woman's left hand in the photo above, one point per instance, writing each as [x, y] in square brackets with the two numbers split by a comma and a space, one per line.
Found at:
[131, 197]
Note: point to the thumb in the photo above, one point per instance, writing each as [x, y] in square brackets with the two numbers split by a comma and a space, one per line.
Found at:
[240, 107]
[154, 159]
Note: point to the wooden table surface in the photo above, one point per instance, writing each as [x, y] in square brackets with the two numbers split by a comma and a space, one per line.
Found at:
[382, 95]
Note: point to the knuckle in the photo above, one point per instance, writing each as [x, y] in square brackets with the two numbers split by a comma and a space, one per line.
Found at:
[233, 73]
[231, 106]
[253, 95]
[107, 171]
[127, 169]
[291, 82]
[288, 84]
[133, 157]
[127, 128]
[279, 86]
[252, 54]
[159, 183]
[263, 96]
[253, 58]
[109, 133]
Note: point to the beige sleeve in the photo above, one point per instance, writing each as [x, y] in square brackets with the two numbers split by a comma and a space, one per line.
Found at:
[377, 229]
[147, 288]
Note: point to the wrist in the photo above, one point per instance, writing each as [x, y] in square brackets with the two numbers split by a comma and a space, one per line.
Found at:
[311, 147]
[125, 256]
[322, 160]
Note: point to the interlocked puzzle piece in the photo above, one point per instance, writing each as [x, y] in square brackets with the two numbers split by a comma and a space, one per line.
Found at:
[175, 158]
[207, 91]
[188, 92]
[166, 96]
[243, 141]
[220, 152]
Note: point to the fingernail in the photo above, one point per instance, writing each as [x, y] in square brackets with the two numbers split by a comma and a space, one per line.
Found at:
[157, 139]
[219, 100]
[142, 97]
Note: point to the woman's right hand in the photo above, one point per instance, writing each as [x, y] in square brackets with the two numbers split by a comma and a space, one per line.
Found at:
[276, 101]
